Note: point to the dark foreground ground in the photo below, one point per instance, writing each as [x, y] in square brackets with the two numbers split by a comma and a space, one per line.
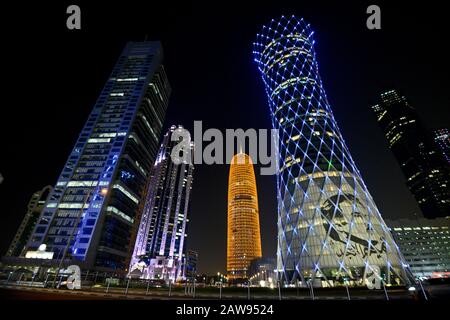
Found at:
[95, 293]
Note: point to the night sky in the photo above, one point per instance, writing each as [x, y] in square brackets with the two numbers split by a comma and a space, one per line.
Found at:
[53, 77]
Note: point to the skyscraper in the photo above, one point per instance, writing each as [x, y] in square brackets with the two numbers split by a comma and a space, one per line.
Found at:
[91, 212]
[160, 249]
[426, 171]
[35, 206]
[329, 228]
[442, 139]
[243, 237]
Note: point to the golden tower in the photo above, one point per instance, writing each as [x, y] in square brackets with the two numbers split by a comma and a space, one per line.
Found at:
[244, 237]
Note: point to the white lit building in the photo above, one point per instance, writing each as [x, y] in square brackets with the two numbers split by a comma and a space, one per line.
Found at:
[425, 244]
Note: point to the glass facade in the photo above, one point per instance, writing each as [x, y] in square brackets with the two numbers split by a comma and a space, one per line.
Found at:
[330, 231]
[424, 166]
[90, 214]
[425, 244]
[244, 236]
[442, 139]
[160, 249]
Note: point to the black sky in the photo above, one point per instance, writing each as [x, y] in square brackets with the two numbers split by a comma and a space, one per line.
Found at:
[53, 77]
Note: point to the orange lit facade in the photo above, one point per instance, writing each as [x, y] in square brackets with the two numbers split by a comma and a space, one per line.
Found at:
[244, 237]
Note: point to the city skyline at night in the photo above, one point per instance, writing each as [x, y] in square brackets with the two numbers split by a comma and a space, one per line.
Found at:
[217, 83]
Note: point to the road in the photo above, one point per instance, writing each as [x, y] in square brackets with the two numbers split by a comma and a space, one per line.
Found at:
[10, 292]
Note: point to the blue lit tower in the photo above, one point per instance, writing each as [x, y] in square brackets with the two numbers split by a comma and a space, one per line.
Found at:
[329, 228]
[90, 215]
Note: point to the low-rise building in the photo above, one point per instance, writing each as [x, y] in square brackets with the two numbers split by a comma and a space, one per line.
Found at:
[425, 244]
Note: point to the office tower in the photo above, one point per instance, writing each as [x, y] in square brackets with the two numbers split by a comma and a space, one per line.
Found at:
[91, 212]
[329, 228]
[160, 248]
[34, 209]
[244, 236]
[424, 244]
[442, 139]
[426, 172]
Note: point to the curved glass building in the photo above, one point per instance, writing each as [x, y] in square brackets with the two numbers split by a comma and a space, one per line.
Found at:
[244, 237]
[330, 231]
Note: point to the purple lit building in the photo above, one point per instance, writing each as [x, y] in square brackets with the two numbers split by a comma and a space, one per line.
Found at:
[160, 249]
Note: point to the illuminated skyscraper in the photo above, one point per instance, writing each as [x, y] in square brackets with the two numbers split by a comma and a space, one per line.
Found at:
[160, 248]
[418, 153]
[329, 228]
[90, 214]
[26, 228]
[442, 139]
[244, 238]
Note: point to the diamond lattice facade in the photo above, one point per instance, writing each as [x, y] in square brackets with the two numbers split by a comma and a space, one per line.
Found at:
[330, 231]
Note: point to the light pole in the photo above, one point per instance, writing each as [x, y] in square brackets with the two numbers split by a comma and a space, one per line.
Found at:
[348, 292]
[46, 279]
[194, 288]
[423, 290]
[279, 290]
[148, 286]
[384, 287]
[9, 276]
[170, 287]
[220, 284]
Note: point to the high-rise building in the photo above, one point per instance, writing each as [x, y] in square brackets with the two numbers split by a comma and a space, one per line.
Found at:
[90, 214]
[330, 231]
[425, 244]
[244, 236]
[34, 209]
[442, 139]
[160, 248]
[426, 171]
